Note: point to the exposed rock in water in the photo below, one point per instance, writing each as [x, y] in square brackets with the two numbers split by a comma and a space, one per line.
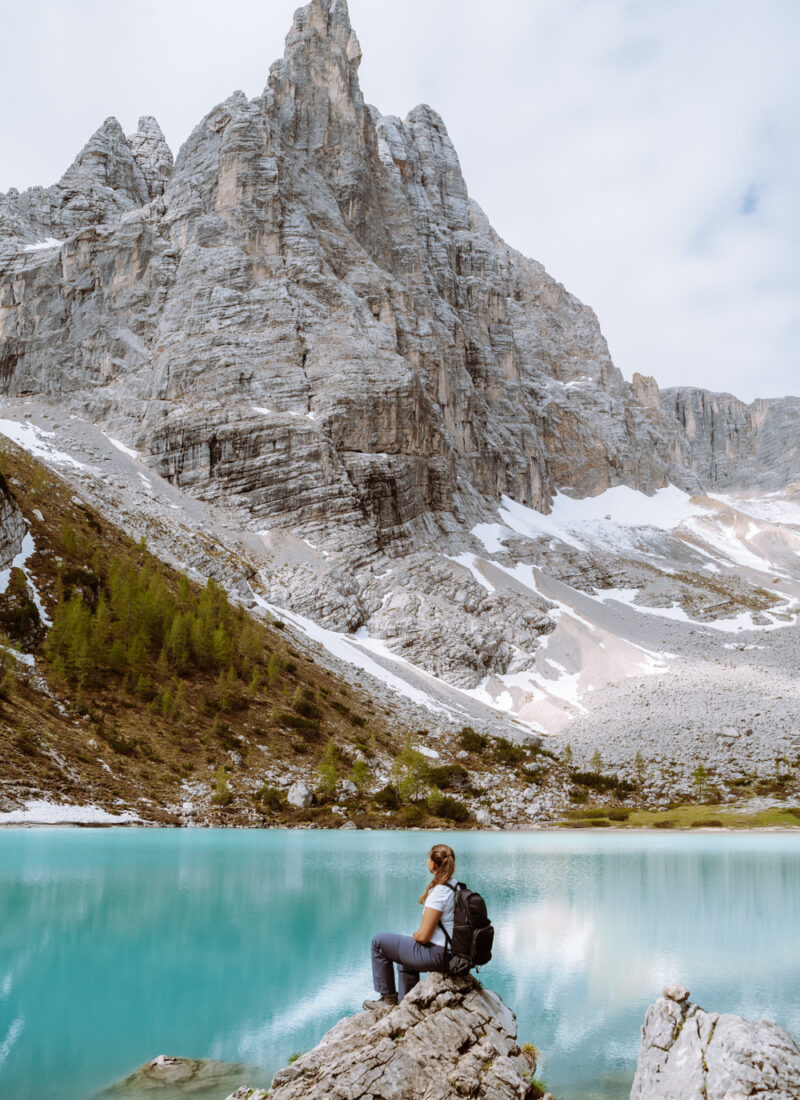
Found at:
[448, 1038]
[167, 1078]
[689, 1054]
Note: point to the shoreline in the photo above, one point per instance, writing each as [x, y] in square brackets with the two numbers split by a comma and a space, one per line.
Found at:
[555, 828]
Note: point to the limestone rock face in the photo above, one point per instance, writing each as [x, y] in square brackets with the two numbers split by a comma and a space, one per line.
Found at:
[447, 1038]
[689, 1054]
[730, 443]
[151, 152]
[308, 320]
[105, 182]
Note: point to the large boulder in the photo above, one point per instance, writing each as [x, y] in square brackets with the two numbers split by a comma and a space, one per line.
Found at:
[300, 795]
[689, 1054]
[448, 1038]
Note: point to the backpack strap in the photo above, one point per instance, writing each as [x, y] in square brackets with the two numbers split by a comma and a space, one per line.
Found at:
[448, 940]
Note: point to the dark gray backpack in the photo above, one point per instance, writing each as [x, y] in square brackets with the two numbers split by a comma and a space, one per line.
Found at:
[473, 934]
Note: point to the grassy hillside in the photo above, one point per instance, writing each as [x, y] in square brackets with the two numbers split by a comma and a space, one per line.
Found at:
[146, 682]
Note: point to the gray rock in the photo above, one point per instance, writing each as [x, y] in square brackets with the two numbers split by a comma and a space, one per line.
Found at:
[447, 1038]
[12, 527]
[151, 152]
[300, 795]
[175, 1078]
[689, 1054]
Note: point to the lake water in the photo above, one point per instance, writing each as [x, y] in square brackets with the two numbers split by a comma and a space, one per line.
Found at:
[118, 945]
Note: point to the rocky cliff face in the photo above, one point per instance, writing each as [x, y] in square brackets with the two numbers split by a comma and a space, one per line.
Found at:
[311, 257]
[689, 1054]
[308, 320]
[730, 443]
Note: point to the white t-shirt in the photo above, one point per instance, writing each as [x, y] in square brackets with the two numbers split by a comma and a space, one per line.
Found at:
[442, 898]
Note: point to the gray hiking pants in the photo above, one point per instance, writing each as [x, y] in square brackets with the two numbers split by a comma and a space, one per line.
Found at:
[411, 957]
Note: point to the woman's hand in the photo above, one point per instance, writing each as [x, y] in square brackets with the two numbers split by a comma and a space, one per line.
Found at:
[427, 926]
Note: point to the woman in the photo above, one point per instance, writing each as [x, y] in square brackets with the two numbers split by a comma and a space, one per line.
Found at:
[425, 949]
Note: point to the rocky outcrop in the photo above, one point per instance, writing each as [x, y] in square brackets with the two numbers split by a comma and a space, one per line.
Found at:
[12, 526]
[689, 1054]
[448, 1038]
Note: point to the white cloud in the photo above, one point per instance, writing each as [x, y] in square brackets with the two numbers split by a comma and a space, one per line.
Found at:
[645, 152]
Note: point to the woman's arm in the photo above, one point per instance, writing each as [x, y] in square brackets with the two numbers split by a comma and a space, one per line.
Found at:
[430, 918]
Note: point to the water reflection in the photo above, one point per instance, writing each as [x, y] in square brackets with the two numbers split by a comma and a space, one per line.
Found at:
[116, 946]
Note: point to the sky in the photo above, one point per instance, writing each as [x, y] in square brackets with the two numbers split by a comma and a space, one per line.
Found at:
[647, 152]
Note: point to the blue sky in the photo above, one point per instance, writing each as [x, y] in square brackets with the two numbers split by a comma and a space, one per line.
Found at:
[646, 151]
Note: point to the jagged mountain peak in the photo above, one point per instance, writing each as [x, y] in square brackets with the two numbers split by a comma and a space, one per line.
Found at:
[107, 160]
[152, 153]
[313, 325]
[324, 19]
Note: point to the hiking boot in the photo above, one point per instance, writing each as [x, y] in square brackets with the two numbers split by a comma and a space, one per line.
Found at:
[385, 1003]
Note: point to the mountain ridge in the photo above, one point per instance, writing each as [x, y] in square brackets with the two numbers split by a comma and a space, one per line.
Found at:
[310, 323]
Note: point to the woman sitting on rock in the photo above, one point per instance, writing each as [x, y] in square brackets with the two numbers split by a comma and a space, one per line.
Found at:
[425, 949]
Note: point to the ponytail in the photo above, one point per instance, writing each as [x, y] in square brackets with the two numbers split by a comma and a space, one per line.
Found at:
[444, 863]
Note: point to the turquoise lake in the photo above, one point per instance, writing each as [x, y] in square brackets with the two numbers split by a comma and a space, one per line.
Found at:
[118, 945]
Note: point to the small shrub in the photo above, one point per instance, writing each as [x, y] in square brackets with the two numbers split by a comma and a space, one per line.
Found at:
[303, 703]
[27, 743]
[599, 782]
[387, 797]
[449, 776]
[506, 752]
[125, 746]
[268, 798]
[362, 776]
[297, 721]
[413, 814]
[222, 793]
[533, 775]
[453, 810]
[471, 741]
[328, 770]
[664, 823]
[435, 799]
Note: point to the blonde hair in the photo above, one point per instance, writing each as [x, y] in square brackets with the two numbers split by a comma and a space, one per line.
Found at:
[444, 862]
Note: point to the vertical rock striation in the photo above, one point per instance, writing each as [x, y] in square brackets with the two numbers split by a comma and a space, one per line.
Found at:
[689, 1054]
